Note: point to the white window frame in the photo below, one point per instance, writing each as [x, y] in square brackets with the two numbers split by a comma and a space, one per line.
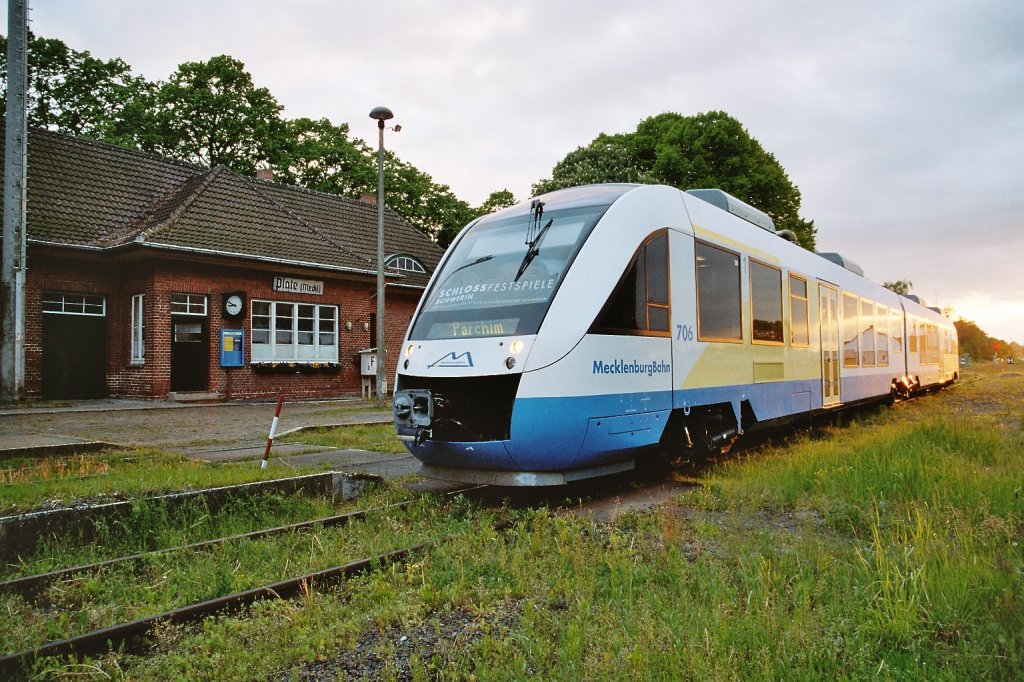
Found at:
[138, 325]
[281, 327]
[406, 263]
[60, 303]
[188, 304]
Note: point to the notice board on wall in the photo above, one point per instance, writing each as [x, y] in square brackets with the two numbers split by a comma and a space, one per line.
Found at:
[232, 347]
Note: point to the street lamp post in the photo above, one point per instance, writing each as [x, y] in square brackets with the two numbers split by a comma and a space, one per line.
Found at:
[380, 114]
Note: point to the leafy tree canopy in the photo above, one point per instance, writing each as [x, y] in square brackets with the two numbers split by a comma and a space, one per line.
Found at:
[900, 286]
[980, 346]
[212, 113]
[78, 94]
[497, 201]
[709, 150]
[321, 156]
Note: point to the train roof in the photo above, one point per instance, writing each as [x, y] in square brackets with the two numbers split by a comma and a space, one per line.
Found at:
[738, 208]
[842, 261]
[584, 195]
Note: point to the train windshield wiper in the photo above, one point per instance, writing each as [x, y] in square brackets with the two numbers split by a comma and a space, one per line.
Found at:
[533, 250]
[533, 242]
[478, 261]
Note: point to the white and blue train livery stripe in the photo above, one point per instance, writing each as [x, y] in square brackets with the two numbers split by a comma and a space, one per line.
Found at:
[567, 334]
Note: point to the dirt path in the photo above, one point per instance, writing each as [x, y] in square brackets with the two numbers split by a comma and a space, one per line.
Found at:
[167, 426]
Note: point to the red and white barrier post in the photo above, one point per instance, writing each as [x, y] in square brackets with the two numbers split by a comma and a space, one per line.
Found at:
[273, 432]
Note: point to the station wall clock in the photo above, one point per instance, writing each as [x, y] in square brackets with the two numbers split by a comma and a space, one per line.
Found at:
[234, 304]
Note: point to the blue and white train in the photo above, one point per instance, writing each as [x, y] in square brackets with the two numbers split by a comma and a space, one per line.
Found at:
[565, 337]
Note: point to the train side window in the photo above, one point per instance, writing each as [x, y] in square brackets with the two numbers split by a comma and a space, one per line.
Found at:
[765, 303]
[882, 335]
[867, 333]
[912, 336]
[799, 329]
[640, 302]
[719, 307]
[897, 333]
[929, 344]
[851, 336]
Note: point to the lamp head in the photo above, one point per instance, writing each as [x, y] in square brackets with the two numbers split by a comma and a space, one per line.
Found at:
[381, 114]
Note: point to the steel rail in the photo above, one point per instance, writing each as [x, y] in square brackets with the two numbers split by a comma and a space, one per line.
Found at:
[30, 585]
[114, 636]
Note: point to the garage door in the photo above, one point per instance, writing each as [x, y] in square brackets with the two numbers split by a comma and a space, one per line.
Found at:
[74, 346]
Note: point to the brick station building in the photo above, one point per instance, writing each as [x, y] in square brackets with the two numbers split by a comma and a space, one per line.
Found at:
[150, 278]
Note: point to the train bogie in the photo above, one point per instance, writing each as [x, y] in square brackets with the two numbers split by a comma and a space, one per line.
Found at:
[563, 338]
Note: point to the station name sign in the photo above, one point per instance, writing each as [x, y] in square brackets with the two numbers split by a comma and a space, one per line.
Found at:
[299, 286]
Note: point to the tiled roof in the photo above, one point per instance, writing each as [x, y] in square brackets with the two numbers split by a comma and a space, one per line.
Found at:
[88, 194]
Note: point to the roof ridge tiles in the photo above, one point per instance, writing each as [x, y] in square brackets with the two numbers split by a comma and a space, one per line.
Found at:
[207, 179]
[254, 185]
[96, 195]
[112, 148]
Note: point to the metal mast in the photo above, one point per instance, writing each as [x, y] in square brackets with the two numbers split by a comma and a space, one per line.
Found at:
[12, 287]
[381, 114]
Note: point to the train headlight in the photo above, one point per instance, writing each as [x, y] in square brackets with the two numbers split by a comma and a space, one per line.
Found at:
[516, 347]
[409, 350]
[510, 362]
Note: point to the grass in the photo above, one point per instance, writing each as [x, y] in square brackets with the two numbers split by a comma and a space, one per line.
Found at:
[28, 482]
[373, 437]
[120, 474]
[150, 526]
[160, 583]
[890, 548]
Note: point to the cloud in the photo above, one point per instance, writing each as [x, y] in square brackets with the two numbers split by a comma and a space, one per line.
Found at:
[901, 123]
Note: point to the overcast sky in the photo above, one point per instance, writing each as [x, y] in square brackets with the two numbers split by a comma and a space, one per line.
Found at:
[902, 123]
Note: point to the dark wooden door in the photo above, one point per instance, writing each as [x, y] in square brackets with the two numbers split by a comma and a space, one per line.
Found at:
[190, 354]
[74, 356]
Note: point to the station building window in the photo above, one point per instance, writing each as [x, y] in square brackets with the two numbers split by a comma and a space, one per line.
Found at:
[799, 327]
[851, 331]
[138, 330]
[640, 302]
[765, 303]
[294, 332]
[406, 264]
[188, 304]
[74, 304]
[719, 306]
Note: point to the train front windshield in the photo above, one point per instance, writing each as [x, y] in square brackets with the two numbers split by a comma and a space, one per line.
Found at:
[503, 274]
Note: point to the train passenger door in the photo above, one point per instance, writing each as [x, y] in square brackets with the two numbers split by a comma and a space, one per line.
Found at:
[828, 310]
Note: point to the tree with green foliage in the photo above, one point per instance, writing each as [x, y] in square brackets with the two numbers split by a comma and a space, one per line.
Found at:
[609, 158]
[900, 286]
[212, 114]
[78, 94]
[432, 208]
[496, 201]
[709, 150]
[321, 156]
[974, 342]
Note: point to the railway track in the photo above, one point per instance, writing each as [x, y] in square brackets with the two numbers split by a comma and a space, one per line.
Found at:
[130, 634]
[612, 495]
[125, 634]
[601, 499]
[29, 586]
